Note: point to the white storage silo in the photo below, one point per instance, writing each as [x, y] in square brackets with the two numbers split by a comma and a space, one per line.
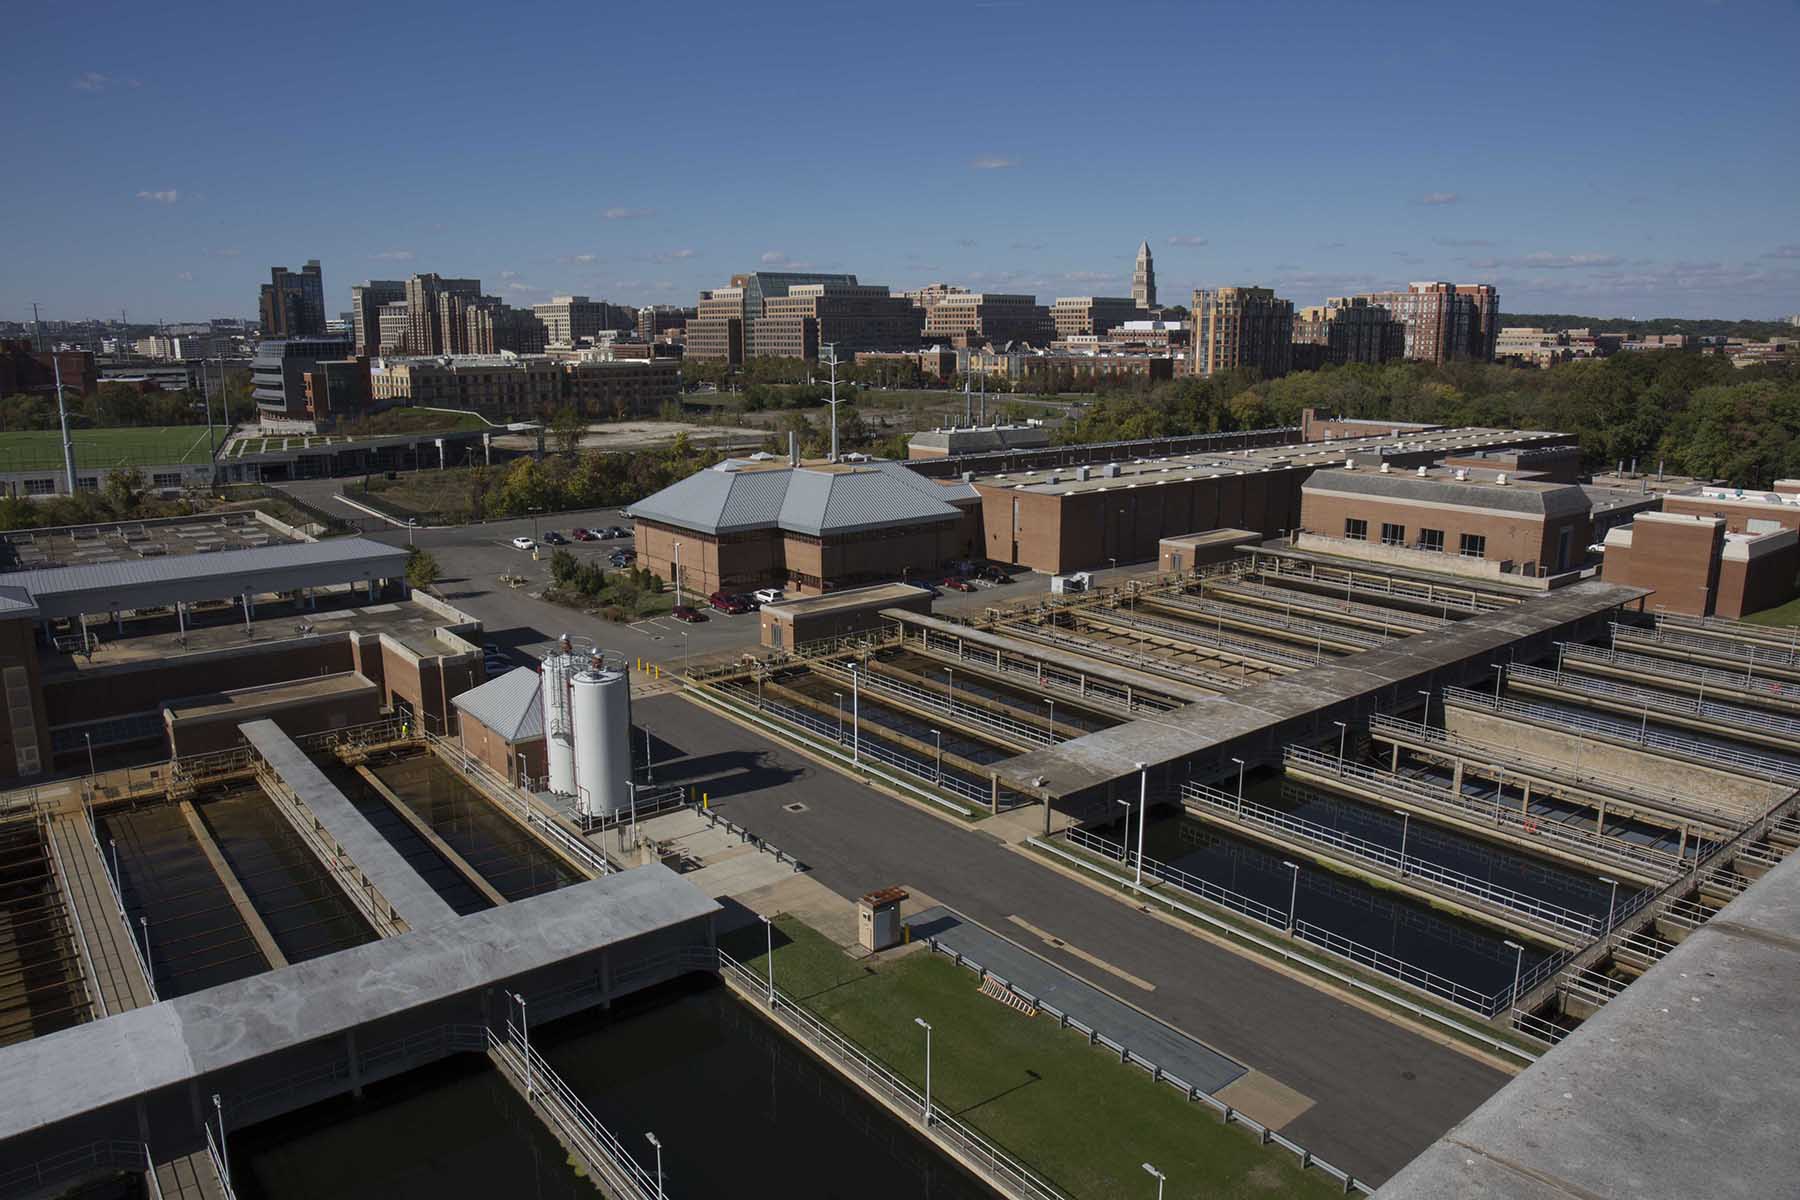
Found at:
[559, 721]
[601, 703]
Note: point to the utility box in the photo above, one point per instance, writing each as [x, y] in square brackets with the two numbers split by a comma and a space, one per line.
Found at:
[1080, 581]
[878, 918]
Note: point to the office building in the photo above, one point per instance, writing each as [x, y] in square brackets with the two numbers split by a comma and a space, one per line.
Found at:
[491, 326]
[337, 390]
[1242, 327]
[1349, 329]
[278, 376]
[1143, 278]
[613, 388]
[425, 333]
[393, 322]
[292, 303]
[655, 320]
[716, 331]
[569, 319]
[973, 318]
[366, 302]
[850, 317]
[1077, 315]
[927, 297]
[1445, 322]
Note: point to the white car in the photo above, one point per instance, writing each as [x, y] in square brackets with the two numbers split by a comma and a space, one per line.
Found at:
[523, 543]
[767, 595]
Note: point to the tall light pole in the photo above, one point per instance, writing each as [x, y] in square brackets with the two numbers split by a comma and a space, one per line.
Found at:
[1293, 892]
[1160, 1179]
[828, 357]
[1125, 837]
[1405, 820]
[1143, 801]
[938, 736]
[224, 1154]
[769, 928]
[62, 414]
[1518, 968]
[1240, 763]
[1343, 736]
[677, 574]
[651, 1138]
[1612, 904]
[922, 1023]
[1426, 719]
[855, 717]
[525, 1034]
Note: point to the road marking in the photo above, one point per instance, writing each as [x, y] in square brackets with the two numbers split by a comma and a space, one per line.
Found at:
[1083, 955]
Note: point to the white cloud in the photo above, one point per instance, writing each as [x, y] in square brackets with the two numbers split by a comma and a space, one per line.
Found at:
[993, 162]
[627, 214]
[684, 252]
[1544, 260]
[1089, 276]
[509, 274]
[225, 252]
[1439, 198]
[166, 196]
[776, 258]
[516, 286]
[967, 241]
[395, 255]
[1462, 241]
[91, 81]
[1186, 239]
[585, 259]
[185, 276]
[1788, 250]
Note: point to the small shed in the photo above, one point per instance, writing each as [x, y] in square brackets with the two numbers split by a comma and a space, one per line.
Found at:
[878, 918]
[787, 624]
[1181, 555]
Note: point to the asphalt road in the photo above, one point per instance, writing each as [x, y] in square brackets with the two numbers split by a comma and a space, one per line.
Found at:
[1382, 1093]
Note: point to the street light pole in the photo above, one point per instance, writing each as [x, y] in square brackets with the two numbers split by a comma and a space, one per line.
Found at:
[224, 1154]
[855, 716]
[922, 1023]
[1160, 1179]
[1518, 969]
[938, 736]
[1426, 719]
[1343, 736]
[677, 573]
[651, 1138]
[1240, 763]
[1293, 893]
[1405, 820]
[1612, 903]
[1143, 801]
[769, 927]
[525, 1033]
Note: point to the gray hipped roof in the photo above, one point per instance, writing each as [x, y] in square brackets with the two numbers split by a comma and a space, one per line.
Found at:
[509, 705]
[810, 500]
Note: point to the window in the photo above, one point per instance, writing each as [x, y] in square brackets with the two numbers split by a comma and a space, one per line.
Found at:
[40, 487]
[1432, 540]
[1393, 535]
[1356, 529]
[87, 483]
[166, 479]
[1474, 545]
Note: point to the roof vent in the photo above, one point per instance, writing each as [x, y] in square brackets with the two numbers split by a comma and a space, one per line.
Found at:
[1462, 473]
[1111, 470]
[1423, 472]
[1081, 473]
[1387, 468]
[1500, 479]
[1349, 464]
[968, 477]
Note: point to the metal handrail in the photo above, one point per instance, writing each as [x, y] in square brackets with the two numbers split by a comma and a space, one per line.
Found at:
[1659, 702]
[1001, 1168]
[1187, 631]
[91, 979]
[220, 1167]
[539, 822]
[117, 887]
[1402, 865]
[1464, 599]
[1324, 939]
[1300, 625]
[107, 1154]
[1577, 653]
[1006, 726]
[1751, 654]
[1050, 636]
[1406, 621]
[1047, 676]
[1746, 762]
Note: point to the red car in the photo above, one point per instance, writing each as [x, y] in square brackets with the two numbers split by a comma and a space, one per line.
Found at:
[728, 603]
[584, 535]
[959, 584]
[687, 612]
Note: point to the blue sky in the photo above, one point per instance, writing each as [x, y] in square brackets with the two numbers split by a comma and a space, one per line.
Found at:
[1610, 159]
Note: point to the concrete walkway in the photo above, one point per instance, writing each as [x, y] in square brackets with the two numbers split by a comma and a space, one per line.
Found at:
[1146, 1037]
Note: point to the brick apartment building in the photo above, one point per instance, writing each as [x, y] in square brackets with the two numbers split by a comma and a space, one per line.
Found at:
[1242, 327]
[1076, 315]
[1350, 330]
[367, 299]
[852, 317]
[507, 387]
[1445, 321]
[23, 369]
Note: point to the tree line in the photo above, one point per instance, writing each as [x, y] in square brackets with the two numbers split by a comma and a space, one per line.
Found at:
[121, 404]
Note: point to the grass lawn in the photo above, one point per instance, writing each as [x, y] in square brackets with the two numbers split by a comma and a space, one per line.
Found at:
[1069, 1111]
[157, 445]
[1781, 614]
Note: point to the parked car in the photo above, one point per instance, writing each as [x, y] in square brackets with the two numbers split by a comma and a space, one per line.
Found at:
[615, 531]
[584, 535]
[553, 538]
[995, 575]
[523, 543]
[687, 612]
[766, 595]
[957, 583]
[728, 603]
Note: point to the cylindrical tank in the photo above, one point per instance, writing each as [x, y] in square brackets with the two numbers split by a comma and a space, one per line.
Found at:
[559, 723]
[601, 703]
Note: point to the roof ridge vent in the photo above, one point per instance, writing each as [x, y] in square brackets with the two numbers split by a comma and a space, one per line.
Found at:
[1500, 479]
[1423, 472]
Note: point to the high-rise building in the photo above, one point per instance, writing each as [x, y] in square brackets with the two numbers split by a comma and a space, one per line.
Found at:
[1242, 327]
[1445, 321]
[1077, 315]
[851, 317]
[654, 320]
[970, 318]
[492, 326]
[292, 303]
[1348, 329]
[1143, 278]
[366, 301]
[393, 323]
[927, 297]
[716, 330]
[725, 321]
[567, 319]
[425, 332]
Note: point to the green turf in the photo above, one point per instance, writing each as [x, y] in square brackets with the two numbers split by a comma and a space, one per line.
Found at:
[1069, 1111]
[1781, 614]
[31, 449]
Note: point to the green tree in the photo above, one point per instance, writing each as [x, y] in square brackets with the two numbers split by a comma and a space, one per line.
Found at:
[563, 567]
[566, 429]
[421, 568]
[124, 491]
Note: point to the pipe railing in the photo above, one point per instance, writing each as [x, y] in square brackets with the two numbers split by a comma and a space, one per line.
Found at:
[1044, 675]
[1658, 704]
[117, 887]
[1401, 866]
[1402, 622]
[90, 981]
[1675, 670]
[1749, 653]
[1300, 626]
[994, 722]
[1188, 631]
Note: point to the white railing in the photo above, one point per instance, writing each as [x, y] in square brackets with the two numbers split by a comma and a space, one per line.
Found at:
[1193, 634]
[1401, 866]
[592, 1141]
[90, 978]
[1301, 626]
[221, 1166]
[1389, 786]
[1752, 655]
[1130, 1057]
[71, 1165]
[543, 824]
[109, 867]
[1676, 671]
[1662, 704]
[1000, 1168]
[1042, 674]
[1401, 622]
[996, 723]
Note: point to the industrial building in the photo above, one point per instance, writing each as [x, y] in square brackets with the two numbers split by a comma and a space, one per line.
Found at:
[976, 439]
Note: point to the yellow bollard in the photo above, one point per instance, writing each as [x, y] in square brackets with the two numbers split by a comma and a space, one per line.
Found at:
[705, 802]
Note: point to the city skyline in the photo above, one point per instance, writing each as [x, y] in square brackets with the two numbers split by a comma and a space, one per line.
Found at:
[1582, 182]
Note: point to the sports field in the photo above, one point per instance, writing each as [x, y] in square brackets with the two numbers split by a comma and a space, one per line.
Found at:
[159, 445]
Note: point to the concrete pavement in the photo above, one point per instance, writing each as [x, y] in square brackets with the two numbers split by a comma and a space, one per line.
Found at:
[1380, 1092]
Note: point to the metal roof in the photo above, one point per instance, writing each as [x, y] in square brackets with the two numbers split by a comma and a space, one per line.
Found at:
[815, 500]
[65, 591]
[1532, 497]
[510, 705]
[16, 602]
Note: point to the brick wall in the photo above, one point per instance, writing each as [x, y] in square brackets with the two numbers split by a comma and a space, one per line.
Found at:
[1675, 556]
[503, 758]
[1529, 541]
